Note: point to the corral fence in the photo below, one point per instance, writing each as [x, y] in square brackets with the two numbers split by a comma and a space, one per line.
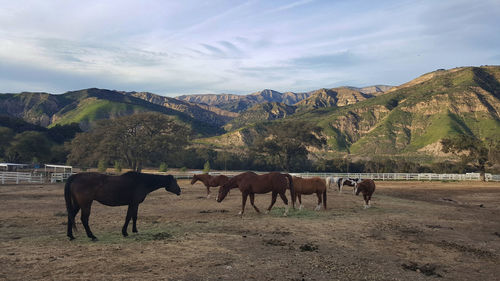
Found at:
[59, 177]
[19, 177]
[374, 176]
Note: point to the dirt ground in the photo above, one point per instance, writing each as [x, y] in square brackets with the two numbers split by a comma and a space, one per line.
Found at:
[414, 231]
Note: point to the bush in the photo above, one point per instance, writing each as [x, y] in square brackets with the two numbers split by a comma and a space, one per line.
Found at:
[118, 166]
[163, 167]
[102, 166]
[206, 167]
[183, 169]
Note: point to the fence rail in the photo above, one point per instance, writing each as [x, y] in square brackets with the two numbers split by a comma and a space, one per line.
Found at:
[16, 177]
[374, 176]
[59, 177]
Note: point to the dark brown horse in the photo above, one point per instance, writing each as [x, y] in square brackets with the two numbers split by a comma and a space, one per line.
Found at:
[367, 187]
[250, 184]
[129, 189]
[310, 186]
[210, 181]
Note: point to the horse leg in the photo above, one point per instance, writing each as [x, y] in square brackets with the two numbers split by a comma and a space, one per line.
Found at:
[300, 200]
[85, 220]
[319, 201]
[285, 200]
[273, 200]
[366, 200]
[134, 218]
[252, 197]
[71, 221]
[244, 196]
[130, 212]
[208, 192]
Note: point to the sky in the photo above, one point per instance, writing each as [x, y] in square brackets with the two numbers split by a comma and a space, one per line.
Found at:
[229, 46]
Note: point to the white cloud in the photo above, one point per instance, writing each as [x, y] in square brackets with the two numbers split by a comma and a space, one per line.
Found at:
[173, 47]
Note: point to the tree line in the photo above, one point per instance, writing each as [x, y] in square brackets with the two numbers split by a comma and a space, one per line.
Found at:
[156, 140]
[22, 142]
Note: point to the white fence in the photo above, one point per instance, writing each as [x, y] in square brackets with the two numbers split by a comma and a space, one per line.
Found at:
[59, 177]
[374, 176]
[15, 177]
[399, 176]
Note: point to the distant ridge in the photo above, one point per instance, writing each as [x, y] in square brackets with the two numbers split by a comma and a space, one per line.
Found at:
[411, 118]
[240, 103]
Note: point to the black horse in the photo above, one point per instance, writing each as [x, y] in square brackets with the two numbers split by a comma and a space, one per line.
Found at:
[129, 189]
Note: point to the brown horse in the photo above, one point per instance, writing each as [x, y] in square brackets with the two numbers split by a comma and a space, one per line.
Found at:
[250, 183]
[310, 186]
[210, 181]
[129, 189]
[367, 187]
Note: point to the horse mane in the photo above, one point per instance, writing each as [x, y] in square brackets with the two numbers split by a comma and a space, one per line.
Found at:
[151, 178]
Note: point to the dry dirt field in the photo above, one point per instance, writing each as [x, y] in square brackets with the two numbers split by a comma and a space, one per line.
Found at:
[414, 231]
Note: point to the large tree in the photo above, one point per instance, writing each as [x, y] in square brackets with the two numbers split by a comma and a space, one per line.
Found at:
[473, 151]
[135, 140]
[286, 144]
[6, 135]
[28, 146]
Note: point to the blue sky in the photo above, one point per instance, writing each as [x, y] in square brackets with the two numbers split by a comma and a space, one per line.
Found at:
[219, 46]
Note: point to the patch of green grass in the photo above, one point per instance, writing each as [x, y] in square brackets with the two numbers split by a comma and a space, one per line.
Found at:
[90, 109]
[154, 233]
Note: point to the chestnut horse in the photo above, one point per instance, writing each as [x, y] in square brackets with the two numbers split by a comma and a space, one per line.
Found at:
[210, 181]
[129, 189]
[310, 186]
[250, 183]
[367, 187]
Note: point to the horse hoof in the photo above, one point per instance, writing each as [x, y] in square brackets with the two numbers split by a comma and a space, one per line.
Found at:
[125, 234]
[71, 238]
[94, 239]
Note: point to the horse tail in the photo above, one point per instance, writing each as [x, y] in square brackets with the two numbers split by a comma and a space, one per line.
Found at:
[292, 190]
[69, 201]
[324, 197]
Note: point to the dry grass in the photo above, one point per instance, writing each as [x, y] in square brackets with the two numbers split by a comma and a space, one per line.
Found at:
[415, 230]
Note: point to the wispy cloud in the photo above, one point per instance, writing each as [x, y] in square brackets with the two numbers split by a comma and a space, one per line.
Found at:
[173, 47]
[289, 6]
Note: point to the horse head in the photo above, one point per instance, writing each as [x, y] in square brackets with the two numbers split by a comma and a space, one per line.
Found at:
[195, 179]
[224, 189]
[356, 184]
[171, 185]
[357, 190]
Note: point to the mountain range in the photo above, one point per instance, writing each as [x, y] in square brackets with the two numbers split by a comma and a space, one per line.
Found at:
[409, 118]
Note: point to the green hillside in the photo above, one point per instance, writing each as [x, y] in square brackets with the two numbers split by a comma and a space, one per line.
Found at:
[261, 112]
[87, 106]
[414, 116]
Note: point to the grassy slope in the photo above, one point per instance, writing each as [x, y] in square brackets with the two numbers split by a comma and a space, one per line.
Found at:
[88, 105]
[412, 117]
